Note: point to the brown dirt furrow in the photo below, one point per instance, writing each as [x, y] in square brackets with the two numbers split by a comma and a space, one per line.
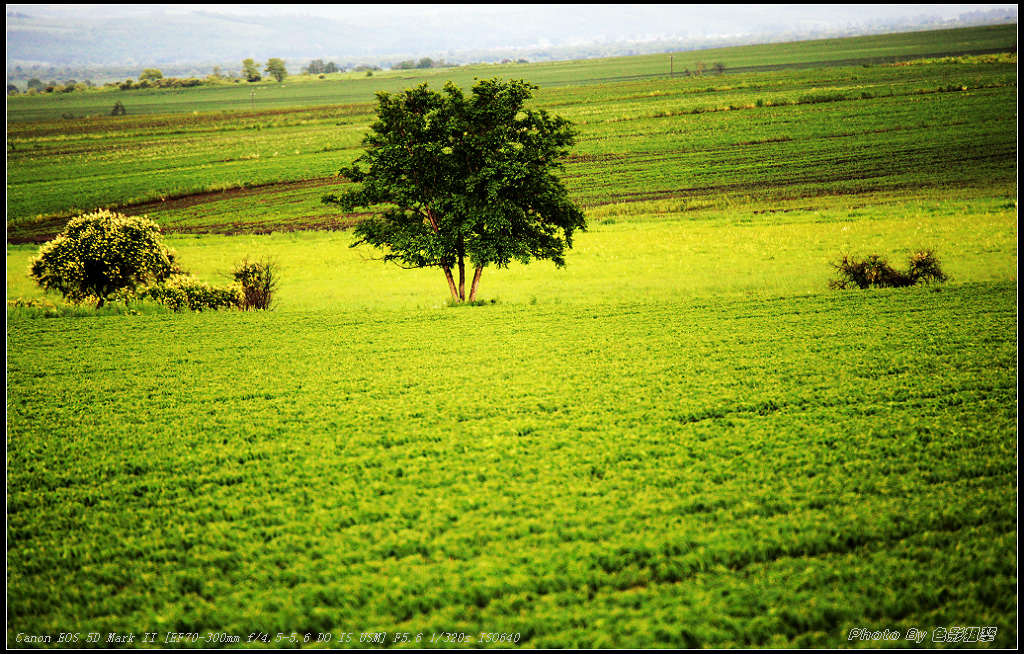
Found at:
[193, 199]
[41, 232]
[36, 232]
[302, 224]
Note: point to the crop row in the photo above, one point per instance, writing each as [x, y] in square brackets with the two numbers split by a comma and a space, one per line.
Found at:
[56, 170]
[789, 151]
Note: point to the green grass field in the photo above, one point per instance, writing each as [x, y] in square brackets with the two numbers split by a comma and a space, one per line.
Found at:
[683, 438]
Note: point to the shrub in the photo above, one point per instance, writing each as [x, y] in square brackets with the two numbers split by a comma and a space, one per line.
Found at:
[259, 281]
[101, 253]
[182, 292]
[924, 267]
[875, 271]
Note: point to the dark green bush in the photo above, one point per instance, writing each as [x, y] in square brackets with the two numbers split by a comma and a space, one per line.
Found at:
[875, 271]
[259, 281]
[863, 273]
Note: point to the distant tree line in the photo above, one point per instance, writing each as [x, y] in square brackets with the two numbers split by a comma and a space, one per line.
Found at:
[36, 85]
[151, 78]
[318, 67]
[425, 62]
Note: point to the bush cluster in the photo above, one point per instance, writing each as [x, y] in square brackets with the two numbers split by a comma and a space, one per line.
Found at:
[259, 281]
[182, 292]
[106, 256]
[923, 267]
[100, 253]
[161, 83]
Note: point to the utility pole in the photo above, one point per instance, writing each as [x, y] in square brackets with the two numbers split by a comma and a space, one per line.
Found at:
[671, 67]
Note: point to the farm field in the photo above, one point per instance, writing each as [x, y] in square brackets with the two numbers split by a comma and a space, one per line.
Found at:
[672, 474]
[683, 438]
[352, 87]
[771, 135]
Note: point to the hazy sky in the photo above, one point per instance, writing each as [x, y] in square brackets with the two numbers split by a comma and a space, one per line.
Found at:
[348, 11]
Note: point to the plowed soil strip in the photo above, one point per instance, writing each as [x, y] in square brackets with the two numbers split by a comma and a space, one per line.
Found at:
[43, 230]
[193, 199]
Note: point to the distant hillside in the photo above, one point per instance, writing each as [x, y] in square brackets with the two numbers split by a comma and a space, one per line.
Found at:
[80, 41]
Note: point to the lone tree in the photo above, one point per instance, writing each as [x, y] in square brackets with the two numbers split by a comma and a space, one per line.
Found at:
[250, 70]
[100, 253]
[458, 180]
[276, 69]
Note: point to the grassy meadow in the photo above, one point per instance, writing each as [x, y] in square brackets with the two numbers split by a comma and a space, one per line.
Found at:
[683, 438]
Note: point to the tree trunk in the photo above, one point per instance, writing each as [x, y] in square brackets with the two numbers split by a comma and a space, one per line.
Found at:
[451, 282]
[447, 270]
[476, 283]
[462, 278]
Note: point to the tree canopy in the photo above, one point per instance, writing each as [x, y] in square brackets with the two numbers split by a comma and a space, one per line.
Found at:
[275, 67]
[250, 70]
[457, 179]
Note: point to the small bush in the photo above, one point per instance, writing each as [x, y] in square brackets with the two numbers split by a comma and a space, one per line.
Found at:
[259, 281]
[924, 267]
[184, 292]
[453, 303]
[875, 271]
